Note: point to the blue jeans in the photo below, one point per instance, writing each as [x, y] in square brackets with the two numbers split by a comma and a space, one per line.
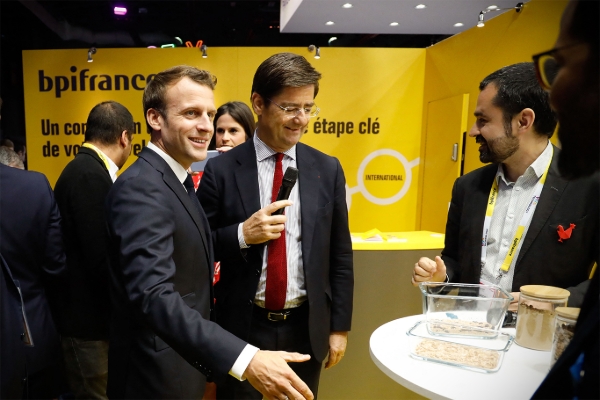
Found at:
[86, 365]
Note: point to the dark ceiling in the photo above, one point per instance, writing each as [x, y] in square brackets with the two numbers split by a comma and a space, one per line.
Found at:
[29, 25]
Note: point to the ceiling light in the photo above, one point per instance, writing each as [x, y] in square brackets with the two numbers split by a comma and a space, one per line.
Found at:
[480, 23]
[458, 24]
[329, 23]
[316, 49]
[393, 24]
[203, 49]
[347, 5]
[120, 10]
[91, 51]
[421, 6]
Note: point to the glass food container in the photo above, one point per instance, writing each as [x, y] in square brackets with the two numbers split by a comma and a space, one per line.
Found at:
[564, 327]
[535, 316]
[461, 309]
[466, 353]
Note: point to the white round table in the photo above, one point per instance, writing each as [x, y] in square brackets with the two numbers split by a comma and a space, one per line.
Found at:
[521, 372]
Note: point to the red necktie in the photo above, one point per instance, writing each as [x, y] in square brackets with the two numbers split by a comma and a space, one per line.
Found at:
[276, 258]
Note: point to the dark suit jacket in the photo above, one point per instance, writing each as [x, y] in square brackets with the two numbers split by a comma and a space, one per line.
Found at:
[229, 194]
[161, 289]
[80, 192]
[12, 348]
[543, 260]
[31, 243]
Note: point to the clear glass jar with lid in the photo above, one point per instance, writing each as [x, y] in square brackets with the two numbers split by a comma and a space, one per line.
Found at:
[564, 327]
[536, 313]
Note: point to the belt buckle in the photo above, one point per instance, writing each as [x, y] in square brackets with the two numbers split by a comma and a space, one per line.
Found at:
[272, 316]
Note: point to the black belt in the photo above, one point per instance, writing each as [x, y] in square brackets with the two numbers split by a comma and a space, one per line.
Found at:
[280, 315]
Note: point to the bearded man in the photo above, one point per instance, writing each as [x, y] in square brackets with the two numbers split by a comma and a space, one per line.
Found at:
[517, 221]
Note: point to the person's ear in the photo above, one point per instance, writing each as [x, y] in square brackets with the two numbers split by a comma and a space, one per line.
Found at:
[258, 103]
[124, 139]
[525, 119]
[154, 118]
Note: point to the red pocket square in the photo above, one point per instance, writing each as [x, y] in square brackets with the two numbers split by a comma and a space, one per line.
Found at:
[564, 234]
[217, 272]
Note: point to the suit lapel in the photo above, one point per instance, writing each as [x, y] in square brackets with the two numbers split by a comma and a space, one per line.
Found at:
[173, 183]
[309, 178]
[553, 189]
[246, 178]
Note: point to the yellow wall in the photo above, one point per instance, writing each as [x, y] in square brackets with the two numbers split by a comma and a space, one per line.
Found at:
[389, 86]
[379, 87]
[457, 65]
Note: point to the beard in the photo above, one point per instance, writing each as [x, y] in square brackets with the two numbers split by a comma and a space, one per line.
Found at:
[499, 149]
[580, 144]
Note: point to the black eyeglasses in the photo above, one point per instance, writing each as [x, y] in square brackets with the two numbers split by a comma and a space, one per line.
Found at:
[546, 67]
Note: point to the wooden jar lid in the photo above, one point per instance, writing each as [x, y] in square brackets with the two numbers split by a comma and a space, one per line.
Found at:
[545, 292]
[568, 312]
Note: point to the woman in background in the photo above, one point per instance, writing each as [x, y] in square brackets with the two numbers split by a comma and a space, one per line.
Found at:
[234, 124]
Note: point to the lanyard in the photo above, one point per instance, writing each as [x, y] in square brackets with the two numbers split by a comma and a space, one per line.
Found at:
[525, 219]
[100, 154]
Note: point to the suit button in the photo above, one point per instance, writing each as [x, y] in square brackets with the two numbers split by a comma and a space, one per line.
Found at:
[250, 302]
[258, 272]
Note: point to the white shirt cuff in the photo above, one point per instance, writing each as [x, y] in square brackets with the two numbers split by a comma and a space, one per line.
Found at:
[242, 362]
[241, 240]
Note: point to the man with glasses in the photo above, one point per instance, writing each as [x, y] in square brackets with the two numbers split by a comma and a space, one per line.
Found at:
[286, 280]
[517, 221]
[571, 72]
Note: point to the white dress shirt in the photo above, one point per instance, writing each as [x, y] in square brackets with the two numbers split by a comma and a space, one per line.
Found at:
[513, 198]
[296, 289]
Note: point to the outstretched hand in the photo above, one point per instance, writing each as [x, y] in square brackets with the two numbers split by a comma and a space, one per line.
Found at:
[269, 373]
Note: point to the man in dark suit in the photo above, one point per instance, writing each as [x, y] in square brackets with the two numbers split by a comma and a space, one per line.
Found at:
[32, 247]
[80, 192]
[162, 343]
[554, 243]
[571, 71]
[286, 280]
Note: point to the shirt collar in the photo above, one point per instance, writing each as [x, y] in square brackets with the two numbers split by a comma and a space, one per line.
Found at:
[540, 164]
[263, 151]
[538, 167]
[179, 171]
[112, 167]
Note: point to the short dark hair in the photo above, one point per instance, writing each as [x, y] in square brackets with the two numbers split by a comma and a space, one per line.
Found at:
[518, 89]
[107, 121]
[156, 90]
[284, 70]
[241, 113]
